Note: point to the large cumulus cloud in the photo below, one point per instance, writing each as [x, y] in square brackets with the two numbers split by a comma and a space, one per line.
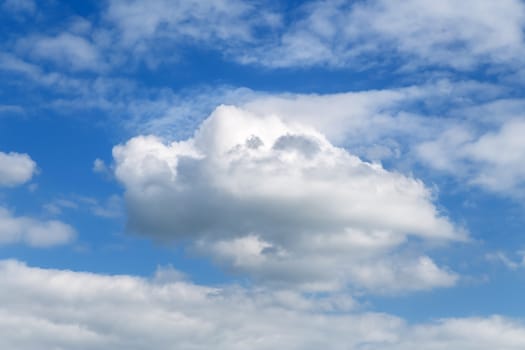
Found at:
[278, 201]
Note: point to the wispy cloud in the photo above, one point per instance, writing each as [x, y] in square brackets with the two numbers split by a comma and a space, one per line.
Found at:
[413, 33]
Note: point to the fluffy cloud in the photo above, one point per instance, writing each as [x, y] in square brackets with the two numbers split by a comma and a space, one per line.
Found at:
[16, 169]
[36, 233]
[492, 159]
[50, 309]
[147, 28]
[464, 129]
[444, 33]
[277, 200]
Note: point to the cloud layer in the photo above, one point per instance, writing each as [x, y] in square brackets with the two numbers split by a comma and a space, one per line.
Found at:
[50, 309]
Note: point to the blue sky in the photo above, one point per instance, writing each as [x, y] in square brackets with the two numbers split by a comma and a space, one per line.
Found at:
[261, 174]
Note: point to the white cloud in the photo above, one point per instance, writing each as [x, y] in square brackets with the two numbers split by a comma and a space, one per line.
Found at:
[161, 25]
[461, 128]
[376, 124]
[16, 169]
[66, 50]
[138, 21]
[424, 32]
[277, 200]
[67, 87]
[492, 159]
[381, 124]
[318, 33]
[490, 333]
[36, 233]
[50, 309]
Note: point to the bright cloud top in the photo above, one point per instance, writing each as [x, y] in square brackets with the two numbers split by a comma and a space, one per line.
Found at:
[280, 202]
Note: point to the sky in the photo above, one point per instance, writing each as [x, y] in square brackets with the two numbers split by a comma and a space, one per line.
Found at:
[235, 174]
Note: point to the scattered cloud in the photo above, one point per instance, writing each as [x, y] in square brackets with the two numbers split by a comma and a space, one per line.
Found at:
[100, 167]
[390, 121]
[492, 159]
[311, 196]
[418, 123]
[415, 33]
[66, 50]
[464, 129]
[33, 232]
[110, 207]
[357, 35]
[16, 169]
